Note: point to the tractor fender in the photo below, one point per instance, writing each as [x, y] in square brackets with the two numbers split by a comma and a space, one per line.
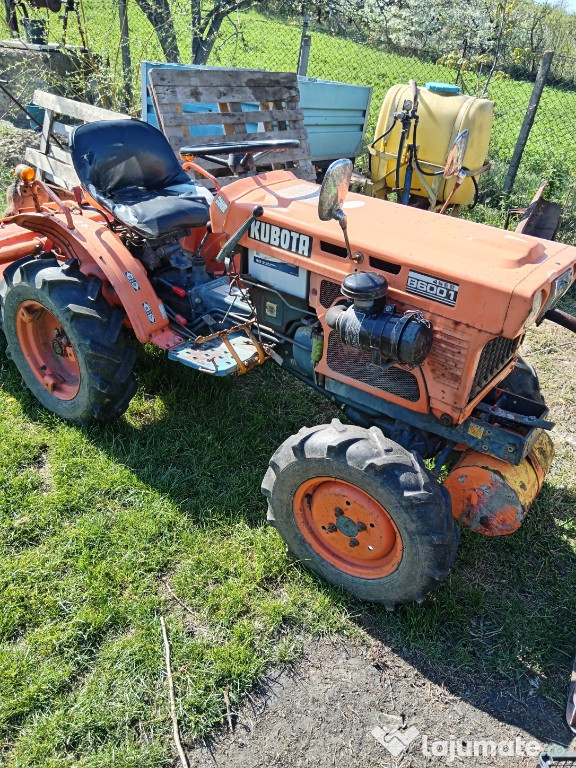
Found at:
[100, 252]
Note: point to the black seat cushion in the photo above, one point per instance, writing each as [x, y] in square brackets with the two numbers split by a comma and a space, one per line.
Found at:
[129, 168]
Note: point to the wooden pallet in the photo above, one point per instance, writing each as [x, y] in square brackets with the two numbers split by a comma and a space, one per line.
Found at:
[230, 92]
[53, 158]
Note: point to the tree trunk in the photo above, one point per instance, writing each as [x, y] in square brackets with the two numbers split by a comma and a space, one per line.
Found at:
[205, 33]
[159, 15]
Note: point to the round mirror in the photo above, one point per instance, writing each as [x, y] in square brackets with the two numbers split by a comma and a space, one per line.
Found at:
[455, 159]
[334, 189]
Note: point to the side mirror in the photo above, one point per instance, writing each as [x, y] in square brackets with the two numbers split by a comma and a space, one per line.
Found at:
[455, 159]
[334, 190]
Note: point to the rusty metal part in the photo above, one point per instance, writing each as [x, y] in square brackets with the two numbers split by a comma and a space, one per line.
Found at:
[491, 496]
[562, 318]
[517, 418]
[247, 329]
[38, 184]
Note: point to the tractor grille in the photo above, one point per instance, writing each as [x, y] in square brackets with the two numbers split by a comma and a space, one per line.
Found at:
[494, 357]
[447, 356]
[329, 292]
[357, 364]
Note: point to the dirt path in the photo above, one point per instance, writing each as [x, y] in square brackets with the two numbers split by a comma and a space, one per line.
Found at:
[347, 704]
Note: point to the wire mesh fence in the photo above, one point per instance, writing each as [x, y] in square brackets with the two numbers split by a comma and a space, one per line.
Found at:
[341, 50]
[550, 151]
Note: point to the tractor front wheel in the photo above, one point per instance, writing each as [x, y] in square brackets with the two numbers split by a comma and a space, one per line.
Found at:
[362, 512]
[67, 342]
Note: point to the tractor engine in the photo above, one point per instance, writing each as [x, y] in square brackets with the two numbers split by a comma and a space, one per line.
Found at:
[413, 325]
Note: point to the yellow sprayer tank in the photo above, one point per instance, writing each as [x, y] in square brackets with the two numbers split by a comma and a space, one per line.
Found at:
[443, 113]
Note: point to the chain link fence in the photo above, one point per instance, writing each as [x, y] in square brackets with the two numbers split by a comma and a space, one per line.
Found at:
[343, 51]
[346, 55]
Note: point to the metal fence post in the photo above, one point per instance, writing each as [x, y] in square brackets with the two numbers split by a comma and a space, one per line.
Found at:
[528, 121]
[305, 43]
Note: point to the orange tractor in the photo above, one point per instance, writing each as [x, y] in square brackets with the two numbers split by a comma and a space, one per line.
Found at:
[410, 321]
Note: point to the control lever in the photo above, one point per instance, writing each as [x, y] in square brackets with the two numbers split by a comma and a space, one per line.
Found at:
[229, 248]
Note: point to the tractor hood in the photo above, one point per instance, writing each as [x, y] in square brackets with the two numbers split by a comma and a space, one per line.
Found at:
[468, 273]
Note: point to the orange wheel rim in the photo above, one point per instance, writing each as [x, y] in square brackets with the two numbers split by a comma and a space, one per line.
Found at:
[347, 527]
[47, 349]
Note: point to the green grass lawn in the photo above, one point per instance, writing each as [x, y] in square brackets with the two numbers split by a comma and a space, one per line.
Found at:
[101, 527]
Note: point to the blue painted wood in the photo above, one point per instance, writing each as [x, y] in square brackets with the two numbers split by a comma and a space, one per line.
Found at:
[335, 114]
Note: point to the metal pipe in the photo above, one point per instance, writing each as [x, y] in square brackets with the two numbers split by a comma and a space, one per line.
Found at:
[562, 318]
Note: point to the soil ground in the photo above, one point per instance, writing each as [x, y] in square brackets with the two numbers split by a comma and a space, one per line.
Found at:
[353, 704]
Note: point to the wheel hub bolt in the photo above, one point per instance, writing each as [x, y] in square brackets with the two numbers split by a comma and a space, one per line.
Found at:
[361, 527]
[331, 528]
[354, 542]
[338, 512]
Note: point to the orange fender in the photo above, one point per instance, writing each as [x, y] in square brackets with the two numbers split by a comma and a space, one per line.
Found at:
[100, 252]
[15, 243]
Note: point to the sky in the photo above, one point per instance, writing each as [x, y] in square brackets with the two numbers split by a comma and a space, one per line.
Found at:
[571, 6]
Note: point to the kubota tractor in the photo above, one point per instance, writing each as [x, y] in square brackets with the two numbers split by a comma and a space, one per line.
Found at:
[410, 321]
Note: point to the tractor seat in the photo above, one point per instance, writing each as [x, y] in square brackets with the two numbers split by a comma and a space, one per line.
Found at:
[129, 168]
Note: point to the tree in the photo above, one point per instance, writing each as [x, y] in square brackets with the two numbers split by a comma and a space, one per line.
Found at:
[159, 14]
[207, 20]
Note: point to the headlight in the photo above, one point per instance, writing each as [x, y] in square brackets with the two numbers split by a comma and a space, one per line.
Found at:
[536, 307]
[557, 290]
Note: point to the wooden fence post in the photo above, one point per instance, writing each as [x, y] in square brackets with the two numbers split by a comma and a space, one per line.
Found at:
[528, 121]
[126, 59]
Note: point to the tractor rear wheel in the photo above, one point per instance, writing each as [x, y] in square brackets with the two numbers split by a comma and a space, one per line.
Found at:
[67, 342]
[362, 512]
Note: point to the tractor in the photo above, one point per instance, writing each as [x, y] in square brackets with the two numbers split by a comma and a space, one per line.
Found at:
[410, 322]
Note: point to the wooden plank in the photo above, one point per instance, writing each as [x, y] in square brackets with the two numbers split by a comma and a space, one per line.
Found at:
[76, 109]
[46, 130]
[223, 76]
[279, 113]
[60, 154]
[61, 173]
[205, 86]
[232, 118]
[193, 94]
[231, 107]
[177, 141]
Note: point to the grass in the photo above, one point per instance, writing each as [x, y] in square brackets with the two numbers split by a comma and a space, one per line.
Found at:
[101, 527]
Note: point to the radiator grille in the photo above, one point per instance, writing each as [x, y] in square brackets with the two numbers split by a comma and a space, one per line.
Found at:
[447, 357]
[329, 292]
[356, 363]
[494, 357]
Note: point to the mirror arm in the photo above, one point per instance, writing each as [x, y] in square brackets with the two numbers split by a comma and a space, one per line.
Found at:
[340, 217]
[229, 248]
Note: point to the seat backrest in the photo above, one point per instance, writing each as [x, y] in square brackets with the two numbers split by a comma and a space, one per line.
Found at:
[110, 155]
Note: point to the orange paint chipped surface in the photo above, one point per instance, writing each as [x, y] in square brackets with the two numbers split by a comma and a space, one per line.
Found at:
[491, 496]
